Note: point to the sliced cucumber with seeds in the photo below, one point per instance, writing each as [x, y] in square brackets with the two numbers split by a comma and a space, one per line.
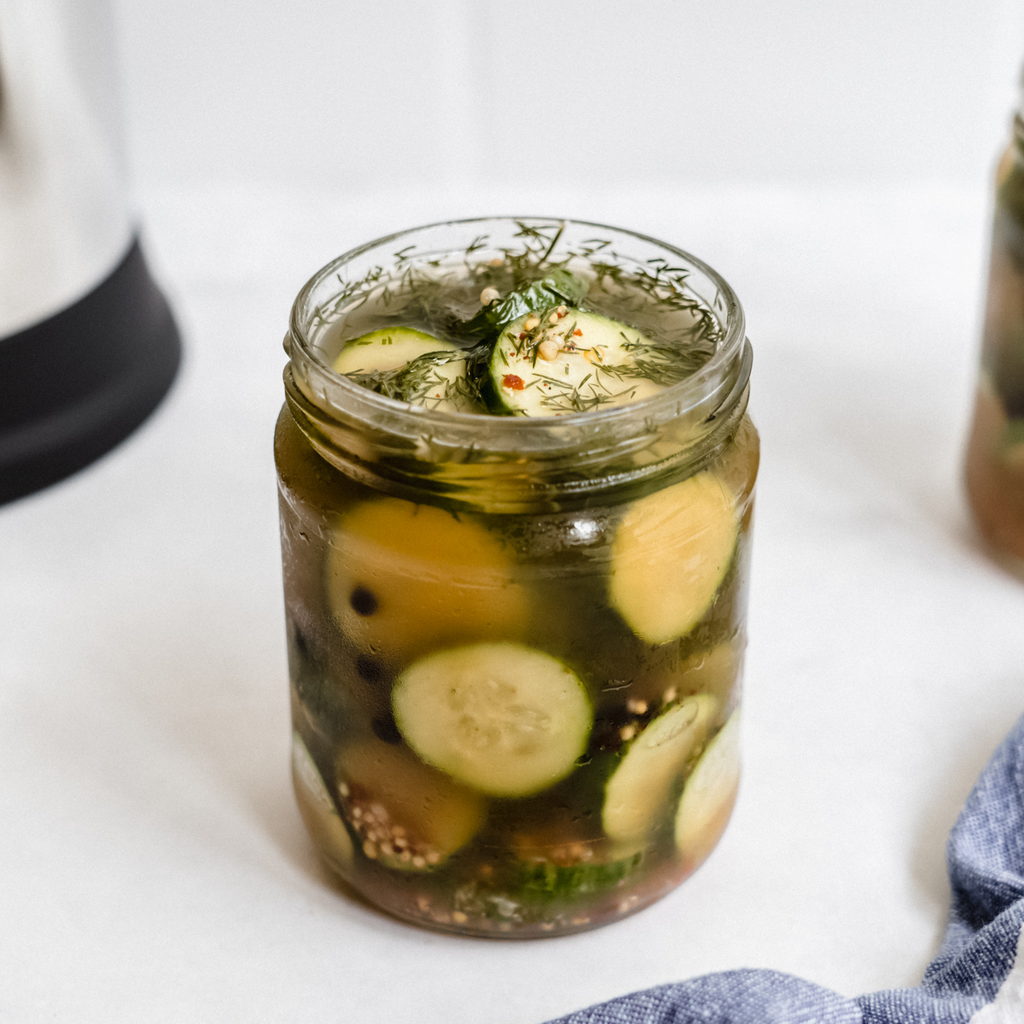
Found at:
[709, 795]
[317, 808]
[715, 672]
[403, 578]
[670, 554]
[387, 349]
[407, 815]
[638, 793]
[560, 859]
[503, 718]
[410, 366]
[563, 360]
[543, 880]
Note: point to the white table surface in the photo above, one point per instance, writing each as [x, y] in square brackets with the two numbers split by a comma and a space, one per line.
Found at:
[153, 864]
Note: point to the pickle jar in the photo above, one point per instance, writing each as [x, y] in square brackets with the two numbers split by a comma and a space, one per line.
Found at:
[995, 451]
[515, 642]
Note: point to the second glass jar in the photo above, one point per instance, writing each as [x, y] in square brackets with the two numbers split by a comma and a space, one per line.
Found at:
[995, 454]
[515, 644]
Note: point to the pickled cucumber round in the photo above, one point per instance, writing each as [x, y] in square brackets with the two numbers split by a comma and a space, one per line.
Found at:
[578, 362]
[670, 554]
[709, 795]
[715, 672]
[638, 793]
[387, 349]
[403, 578]
[317, 808]
[566, 880]
[418, 367]
[503, 718]
[407, 815]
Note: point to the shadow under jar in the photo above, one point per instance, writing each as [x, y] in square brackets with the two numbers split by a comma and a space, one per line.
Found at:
[515, 641]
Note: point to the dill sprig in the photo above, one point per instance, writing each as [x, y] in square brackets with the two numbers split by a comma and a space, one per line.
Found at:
[558, 288]
[419, 381]
[439, 293]
[590, 393]
[664, 364]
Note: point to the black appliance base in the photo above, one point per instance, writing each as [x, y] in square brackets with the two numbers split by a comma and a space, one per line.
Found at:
[75, 385]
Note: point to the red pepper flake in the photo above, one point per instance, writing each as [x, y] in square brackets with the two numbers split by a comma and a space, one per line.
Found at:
[577, 333]
[513, 382]
[522, 334]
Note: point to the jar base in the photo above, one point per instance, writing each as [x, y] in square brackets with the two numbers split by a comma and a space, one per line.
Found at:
[546, 924]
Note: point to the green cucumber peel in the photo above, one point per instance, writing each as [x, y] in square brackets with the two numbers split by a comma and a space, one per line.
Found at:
[409, 383]
[544, 881]
[560, 287]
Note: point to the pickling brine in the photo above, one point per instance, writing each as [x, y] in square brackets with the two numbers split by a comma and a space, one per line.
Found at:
[516, 478]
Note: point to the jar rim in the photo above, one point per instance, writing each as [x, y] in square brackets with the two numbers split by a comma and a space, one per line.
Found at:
[726, 351]
[399, 446]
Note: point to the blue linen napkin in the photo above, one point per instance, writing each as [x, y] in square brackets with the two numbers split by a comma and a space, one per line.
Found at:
[978, 976]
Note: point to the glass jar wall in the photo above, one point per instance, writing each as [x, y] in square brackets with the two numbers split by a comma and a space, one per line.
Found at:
[515, 644]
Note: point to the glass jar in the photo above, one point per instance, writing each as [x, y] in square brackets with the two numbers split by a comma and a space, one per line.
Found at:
[515, 644]
[995, 452]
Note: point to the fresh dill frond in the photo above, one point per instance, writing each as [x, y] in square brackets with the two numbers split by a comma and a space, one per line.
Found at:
[419, 380]
[537, 272]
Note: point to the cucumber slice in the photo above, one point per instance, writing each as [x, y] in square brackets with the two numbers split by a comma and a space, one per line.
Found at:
[317, 808]
[407, 815]
[410, 366]
[560, 286]
[564, 858]
[387, 349]
[579, 362]
[715, 672]
[505, 719]
[402, 578]
[638, 793]
[670, 553]
[709, 796]
[549, 880]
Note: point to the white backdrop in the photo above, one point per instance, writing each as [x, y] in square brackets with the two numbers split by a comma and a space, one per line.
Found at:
[391, 93]
[832, 159]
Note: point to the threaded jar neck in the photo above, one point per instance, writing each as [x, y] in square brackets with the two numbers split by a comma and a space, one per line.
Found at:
[506, 463]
